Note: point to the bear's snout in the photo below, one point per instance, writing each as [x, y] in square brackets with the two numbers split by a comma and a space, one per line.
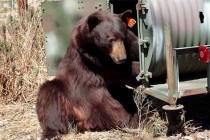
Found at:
[122, 59]
[118, 52]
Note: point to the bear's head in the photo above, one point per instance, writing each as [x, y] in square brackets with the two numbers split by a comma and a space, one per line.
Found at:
[108, 32]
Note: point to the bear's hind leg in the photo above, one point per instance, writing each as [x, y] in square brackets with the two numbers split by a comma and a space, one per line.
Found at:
[49, 134]
[53, 109]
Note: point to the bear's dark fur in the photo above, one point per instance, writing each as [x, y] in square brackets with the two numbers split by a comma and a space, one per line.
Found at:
[89, 87]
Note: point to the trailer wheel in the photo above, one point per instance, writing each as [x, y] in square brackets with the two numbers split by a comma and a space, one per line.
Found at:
[175, 116]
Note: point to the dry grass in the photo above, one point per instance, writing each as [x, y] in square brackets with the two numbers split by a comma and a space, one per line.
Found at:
[18, 122]
[149, 118]
[22, 57]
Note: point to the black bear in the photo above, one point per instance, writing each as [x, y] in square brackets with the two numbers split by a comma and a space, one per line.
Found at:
[89, 87]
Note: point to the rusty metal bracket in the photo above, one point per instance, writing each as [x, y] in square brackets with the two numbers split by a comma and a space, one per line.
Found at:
[142, 10]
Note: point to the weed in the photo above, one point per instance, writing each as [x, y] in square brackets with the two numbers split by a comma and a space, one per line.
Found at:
[22, 57]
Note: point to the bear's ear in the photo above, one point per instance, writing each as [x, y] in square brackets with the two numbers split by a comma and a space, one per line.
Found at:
[126, 14]
[92, 22]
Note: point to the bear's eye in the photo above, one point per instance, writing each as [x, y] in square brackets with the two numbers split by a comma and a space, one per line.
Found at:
[111, 39]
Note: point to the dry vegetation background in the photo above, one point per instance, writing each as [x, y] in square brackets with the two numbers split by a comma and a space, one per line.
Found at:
[23, 69]
[22, 57]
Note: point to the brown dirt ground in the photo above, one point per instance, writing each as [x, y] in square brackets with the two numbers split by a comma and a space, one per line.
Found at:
[18, 121]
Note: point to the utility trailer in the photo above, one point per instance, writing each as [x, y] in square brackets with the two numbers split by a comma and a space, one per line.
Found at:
[174, 31]
[173, 37]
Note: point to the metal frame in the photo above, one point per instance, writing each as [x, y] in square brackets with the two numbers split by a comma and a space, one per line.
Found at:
[171, 64]
[173, 91]
[188, 92]
[142, 41]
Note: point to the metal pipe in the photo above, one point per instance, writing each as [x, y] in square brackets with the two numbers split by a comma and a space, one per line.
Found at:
[171, 80]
